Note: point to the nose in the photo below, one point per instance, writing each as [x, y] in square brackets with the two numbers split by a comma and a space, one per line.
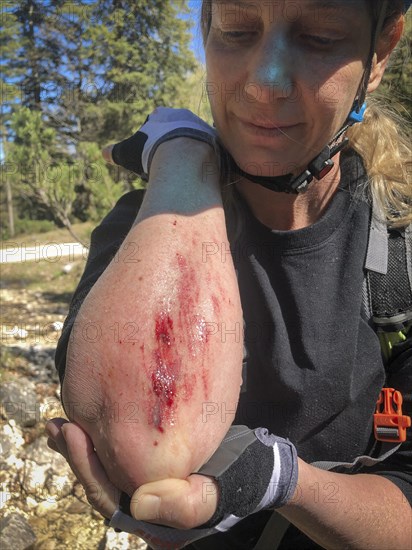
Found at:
[270, 72]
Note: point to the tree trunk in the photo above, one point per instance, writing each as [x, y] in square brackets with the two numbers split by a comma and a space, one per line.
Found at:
[9, 200]
[69, 228]
[67, 224]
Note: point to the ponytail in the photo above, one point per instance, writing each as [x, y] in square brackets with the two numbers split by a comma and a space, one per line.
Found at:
[381, 140]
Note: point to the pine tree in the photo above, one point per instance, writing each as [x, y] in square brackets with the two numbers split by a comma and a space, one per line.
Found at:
[92, 70]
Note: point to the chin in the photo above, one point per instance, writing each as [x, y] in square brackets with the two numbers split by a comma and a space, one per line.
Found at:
[264, 165]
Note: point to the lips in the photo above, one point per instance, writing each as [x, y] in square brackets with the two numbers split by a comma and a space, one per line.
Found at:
[266, 131]
[267, 124]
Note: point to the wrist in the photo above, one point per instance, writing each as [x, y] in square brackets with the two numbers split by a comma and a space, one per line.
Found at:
[184, 155]
[184, 167]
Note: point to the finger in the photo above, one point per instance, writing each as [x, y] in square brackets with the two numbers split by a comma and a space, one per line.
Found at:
[56, 439]
[179, 503]
[107, 154]
[52, 445]
[85, 463]
[54, 425]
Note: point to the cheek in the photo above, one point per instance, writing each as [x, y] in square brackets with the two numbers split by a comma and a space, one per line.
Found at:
[215, 86]
[225, 78]
[333, 97]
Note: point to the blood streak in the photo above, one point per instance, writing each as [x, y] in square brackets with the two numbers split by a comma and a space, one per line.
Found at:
[166, 371]
[164, 328]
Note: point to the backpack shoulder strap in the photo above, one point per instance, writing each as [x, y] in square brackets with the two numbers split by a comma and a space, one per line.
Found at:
[387, 290]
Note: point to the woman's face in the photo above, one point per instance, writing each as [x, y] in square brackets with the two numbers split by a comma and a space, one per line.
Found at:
[282, 76]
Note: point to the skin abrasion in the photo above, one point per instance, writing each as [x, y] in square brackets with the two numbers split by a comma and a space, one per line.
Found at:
[170, 380]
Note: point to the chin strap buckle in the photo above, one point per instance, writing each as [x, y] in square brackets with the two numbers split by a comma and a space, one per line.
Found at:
[318, 167]
[322, 164]
[388, 421]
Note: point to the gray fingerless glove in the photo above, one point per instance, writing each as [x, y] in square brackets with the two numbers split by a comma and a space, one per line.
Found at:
[136, 152]
[254, 470]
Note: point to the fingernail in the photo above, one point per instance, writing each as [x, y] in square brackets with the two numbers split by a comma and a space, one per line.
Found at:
[63, 429]
[51, 430]
[147, 507]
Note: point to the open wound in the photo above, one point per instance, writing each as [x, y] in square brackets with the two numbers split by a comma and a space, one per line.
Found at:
[169, 383]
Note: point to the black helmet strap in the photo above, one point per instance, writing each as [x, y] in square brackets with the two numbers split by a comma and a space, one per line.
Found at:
[317, 168]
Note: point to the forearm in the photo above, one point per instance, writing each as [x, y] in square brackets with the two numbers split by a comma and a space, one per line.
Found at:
[360, 511]
[160, 308]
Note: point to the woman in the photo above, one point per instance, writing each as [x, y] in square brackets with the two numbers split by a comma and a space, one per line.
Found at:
[285, 81]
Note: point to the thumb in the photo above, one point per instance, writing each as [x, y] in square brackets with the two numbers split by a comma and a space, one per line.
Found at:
[107, 154]
[180, 503]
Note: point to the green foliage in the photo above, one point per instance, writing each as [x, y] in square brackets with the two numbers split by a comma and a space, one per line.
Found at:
[77, 76]
[39, 172]
[95, 177]
[24, 226]
[192, 94]
[396, 83]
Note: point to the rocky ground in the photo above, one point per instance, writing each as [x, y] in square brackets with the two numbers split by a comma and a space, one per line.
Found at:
[43, 507]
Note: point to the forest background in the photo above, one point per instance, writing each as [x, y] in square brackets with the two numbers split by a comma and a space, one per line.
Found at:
[77, 75]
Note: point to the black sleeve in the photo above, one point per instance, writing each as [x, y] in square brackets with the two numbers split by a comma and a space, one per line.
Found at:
[398, 467]
[106, 240]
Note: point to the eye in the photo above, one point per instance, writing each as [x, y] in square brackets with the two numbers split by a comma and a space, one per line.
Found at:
[319, 41]
[236, 36]
[233, 34]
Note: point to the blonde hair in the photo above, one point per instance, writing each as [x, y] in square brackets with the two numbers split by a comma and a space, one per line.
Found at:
[382, 140]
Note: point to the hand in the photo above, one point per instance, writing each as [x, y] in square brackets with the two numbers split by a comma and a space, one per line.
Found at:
[180, 503]
[136, 152]
[177, 503]
[71, 441]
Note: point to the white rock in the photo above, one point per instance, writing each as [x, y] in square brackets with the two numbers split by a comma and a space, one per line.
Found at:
[34, 478]
[14, 433]
[18, 463]
[4, 497]
[58, 487]
[67, 268]
[45, 507]
[31, 503]
[57, 326]
[116, 541]
[19, 333]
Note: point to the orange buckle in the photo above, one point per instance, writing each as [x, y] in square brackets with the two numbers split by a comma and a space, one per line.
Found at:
[388, 422]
